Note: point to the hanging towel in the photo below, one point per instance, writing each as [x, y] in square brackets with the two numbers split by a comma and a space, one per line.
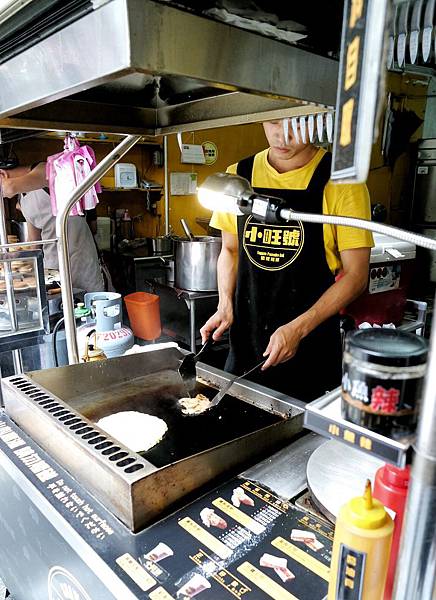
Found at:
[65, 171]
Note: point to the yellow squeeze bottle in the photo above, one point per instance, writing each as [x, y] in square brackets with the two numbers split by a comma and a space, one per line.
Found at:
[361, 550]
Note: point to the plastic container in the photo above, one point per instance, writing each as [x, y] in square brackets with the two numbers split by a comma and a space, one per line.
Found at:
[144, 314]
[361, 549]
[383, 374]
[391, 487]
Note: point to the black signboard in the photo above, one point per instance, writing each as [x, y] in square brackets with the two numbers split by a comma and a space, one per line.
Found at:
[358, 88]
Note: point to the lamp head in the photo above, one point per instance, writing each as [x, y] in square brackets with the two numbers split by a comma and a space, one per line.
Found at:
[222, 191]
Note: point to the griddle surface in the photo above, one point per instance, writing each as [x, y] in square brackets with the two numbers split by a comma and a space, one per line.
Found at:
[158, 395]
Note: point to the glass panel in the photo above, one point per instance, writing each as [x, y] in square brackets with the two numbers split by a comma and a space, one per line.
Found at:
[20, 268]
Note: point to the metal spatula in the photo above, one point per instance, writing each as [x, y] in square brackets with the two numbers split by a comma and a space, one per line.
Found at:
[187, 368]
[223, 391]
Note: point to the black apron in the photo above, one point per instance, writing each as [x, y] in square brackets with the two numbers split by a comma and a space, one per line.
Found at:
[282, 272]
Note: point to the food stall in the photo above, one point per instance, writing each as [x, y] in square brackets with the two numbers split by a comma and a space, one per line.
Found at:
[232, 502]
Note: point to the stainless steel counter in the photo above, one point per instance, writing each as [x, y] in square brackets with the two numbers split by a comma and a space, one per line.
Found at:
[285, 472]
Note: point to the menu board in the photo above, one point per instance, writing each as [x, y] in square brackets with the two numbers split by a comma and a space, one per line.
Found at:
[240, 541]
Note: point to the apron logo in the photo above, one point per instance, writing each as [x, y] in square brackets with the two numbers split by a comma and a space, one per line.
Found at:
[272, 247]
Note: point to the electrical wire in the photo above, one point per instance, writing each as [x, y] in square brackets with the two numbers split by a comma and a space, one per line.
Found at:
[396, 232]
[54, 334]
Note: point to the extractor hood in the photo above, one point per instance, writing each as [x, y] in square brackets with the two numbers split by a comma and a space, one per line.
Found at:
[137, 66]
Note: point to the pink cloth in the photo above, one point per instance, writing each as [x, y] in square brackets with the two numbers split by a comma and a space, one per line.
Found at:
[65, 171]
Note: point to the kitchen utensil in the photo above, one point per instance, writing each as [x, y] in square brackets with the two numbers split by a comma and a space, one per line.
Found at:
[21, 229]
[161, 244]
[320, 126]
[415, 33]
[392, 38]
[311, 128]
[223, 391]
[428, 29]
[403, 30]
[294, 124]
[286, 130]
[187, 368]
[329, 127]
[302, 122]
[196, 263]
[187, 230]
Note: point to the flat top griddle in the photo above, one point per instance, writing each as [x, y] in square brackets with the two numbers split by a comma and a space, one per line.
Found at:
[158, 394]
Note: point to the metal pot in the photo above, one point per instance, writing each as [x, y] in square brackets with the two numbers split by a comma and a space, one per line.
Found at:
[20, 229]
[196, 263]
[160, 245]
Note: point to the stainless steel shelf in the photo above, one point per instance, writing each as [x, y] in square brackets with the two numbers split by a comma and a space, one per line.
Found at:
[324, 417]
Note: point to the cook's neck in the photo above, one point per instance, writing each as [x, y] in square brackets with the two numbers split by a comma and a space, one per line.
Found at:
[297, 161]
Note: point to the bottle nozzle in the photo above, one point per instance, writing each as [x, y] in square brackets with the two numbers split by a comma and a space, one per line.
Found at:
[368, 495]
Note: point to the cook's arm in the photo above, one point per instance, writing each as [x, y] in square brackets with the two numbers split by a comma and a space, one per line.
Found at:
[227, 270]
[28, 182]
[33, 233]
[284, 341]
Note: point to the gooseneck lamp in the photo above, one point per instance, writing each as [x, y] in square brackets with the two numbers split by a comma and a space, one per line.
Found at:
[223, 192]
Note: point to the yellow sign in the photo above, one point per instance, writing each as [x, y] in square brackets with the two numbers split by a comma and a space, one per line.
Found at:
[239, 516]
[272, 247]
[139, 575]
[266, 496]
[210, 151]
[308, 561]
[265, 583]
[222, 576]
[205, 538]
[160, 593]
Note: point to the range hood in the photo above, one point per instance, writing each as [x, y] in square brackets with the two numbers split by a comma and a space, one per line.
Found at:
[140, 67]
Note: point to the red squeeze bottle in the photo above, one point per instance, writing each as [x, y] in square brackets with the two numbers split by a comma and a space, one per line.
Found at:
[391, 487]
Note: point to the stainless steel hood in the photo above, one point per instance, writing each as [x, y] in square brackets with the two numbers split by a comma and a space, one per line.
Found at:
[136, 66]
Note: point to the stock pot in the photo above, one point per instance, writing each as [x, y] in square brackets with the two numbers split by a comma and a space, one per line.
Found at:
[196, 263]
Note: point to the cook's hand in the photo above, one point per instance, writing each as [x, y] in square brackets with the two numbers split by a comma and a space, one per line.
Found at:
[218, 323]
[283, 344]
[5, 182]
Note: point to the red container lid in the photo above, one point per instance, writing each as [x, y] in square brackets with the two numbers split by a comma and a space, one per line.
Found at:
[396, 477]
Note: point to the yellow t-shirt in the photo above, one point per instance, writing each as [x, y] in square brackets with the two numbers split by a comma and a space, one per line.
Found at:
[350, 200]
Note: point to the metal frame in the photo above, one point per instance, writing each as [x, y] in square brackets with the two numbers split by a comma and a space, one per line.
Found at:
[62, 234]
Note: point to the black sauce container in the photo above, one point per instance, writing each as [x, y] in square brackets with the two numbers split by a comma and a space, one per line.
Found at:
[382, 381]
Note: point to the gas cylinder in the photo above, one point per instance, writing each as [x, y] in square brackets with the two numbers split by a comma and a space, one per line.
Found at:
[361, 547]
[390, 487]
[106, 318]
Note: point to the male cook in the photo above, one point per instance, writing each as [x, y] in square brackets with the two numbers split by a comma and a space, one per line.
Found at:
[277, 288]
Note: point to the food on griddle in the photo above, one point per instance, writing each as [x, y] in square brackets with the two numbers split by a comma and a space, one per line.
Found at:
[136, 430]
[194, 406]
[273, 562]
[211, 519]
[159, 552]
[285, 574]
[240, 497]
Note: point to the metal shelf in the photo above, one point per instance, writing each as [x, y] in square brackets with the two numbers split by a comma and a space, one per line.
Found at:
[324, 417]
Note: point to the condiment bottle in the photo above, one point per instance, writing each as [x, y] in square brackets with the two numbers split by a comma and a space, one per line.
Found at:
[382, 382]
[361, 548]
[391, 487]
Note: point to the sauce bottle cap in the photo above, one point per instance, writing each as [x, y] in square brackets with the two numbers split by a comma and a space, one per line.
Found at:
[396, 477]
[365, 511]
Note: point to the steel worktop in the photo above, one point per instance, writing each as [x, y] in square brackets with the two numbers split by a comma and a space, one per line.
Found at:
[59, 542]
